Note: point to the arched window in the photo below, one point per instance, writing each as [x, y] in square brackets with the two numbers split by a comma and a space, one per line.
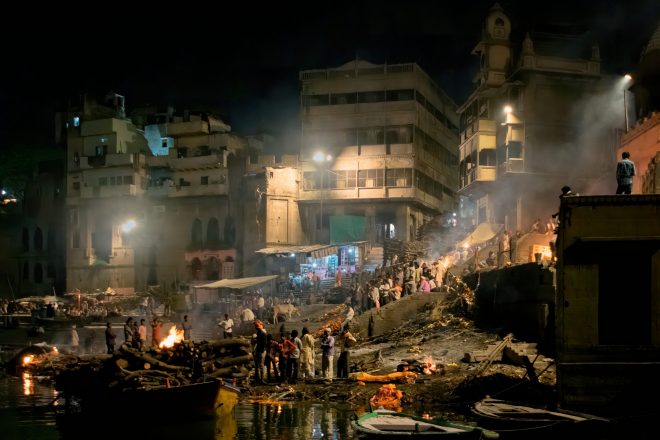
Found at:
[212, 269]
[213, 234]
[38, 240]
[38, 273]
[196, 269]
[196, 234]
[26, 271]
[26, 240]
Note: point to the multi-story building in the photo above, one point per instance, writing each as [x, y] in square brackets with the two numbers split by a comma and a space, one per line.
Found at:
[150, 205]
[642, 138]
[524, 131]
[378, 154]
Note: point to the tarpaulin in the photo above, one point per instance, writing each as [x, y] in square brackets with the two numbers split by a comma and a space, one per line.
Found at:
[347, 228]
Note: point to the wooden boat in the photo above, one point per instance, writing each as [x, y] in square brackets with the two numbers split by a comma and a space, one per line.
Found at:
[199, 400]
[384, 424]
[503, 416]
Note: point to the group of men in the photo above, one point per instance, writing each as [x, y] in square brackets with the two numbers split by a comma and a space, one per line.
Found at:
[293, 357]
[135, 335]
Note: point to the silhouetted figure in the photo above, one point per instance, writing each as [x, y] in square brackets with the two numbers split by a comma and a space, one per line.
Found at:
[625, 170]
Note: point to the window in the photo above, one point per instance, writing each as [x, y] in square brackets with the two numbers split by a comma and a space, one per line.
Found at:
[343, 98]
[26, 239]
[370, 97]
[101, 150]
[128, 180]
[399, 134]
[103, 181]
[487, 157]
[76, 186]
[370, 178]
[205, 180]
[76, 121]
[112, 180]
[213, 233]
[75, 239]
[515, 150]
[371, 136]
[76, 158]
[182, 152]
[398, 177]
[400, 95]
[311, 180]
[342, 179]
[314, 100]
[196, 234]
[73, 219]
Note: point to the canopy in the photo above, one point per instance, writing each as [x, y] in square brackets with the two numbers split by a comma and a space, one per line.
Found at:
[317, 250]
[237, 283]
[483, 233]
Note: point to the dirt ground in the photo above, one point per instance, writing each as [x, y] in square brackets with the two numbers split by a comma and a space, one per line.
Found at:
[433, 332]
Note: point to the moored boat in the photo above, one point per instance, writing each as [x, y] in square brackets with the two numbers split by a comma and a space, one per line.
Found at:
[384, 424]
[504, 416]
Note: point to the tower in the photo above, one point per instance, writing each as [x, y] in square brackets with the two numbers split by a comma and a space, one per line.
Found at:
[494, 48]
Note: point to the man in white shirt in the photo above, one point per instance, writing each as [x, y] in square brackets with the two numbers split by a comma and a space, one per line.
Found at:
[227, 326]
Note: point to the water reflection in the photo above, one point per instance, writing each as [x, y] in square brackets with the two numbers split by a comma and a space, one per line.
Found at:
[28, 384]
[292, 421]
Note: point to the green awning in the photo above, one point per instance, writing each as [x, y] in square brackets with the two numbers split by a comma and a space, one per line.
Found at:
[347, 228]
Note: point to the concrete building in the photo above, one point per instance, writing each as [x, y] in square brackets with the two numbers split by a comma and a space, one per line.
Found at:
[150, 205]
[523, 133]
[378, 155]
[642, 137]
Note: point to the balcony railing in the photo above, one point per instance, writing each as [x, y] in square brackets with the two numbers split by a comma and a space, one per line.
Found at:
[218, 189]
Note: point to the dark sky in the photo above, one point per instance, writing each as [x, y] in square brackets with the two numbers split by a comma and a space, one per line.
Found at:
[243, 60]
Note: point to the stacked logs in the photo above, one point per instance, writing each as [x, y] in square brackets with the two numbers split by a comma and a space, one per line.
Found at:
[184, 363]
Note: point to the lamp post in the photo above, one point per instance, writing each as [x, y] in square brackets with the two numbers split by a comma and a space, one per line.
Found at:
[627, 78]
[322, 159]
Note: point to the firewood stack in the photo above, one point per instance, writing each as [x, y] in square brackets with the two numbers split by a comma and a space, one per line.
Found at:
[183, 364]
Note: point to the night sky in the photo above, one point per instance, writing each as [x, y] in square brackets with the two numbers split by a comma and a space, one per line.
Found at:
[242, 61]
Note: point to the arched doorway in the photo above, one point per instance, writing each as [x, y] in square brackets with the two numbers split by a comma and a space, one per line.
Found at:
[196, 269]
[212, 269]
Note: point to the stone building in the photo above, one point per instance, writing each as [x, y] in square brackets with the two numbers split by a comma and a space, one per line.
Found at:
[524, 131]
[642, 138]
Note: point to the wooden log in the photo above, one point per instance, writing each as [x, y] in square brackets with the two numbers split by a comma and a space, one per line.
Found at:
[224, 372]
[122, 363]
[144, 357]
[234, 342]
[235, 360]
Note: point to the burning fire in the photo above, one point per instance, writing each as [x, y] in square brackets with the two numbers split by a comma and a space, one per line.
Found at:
[174, 337]
[28, 359]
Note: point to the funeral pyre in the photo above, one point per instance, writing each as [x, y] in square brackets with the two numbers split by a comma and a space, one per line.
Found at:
[182, 363]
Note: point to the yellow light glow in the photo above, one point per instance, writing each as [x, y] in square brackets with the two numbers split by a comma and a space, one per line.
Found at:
[508, 109]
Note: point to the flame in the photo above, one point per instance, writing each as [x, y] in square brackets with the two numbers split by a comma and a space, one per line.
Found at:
[28, 383]
[174, 337]
[429, 366]
[28, 359]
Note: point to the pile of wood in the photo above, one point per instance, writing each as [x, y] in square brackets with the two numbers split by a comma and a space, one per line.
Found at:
[183, 364]
[426, 366]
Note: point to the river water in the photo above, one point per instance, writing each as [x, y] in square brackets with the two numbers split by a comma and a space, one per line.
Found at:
[26, 413]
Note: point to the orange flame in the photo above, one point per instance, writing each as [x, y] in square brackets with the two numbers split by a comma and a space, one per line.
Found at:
[174, 337]
[28, 359]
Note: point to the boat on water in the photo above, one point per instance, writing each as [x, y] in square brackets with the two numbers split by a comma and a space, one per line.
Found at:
[206, 399]
[385, 424]
[504, 416]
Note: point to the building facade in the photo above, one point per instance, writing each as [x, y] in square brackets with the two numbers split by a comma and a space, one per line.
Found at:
[378, 155]
[524, 131]
[150, 204]
[642, 138]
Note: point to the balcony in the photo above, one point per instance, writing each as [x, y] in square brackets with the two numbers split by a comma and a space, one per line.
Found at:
[108, 160]
[95, 192]
[174, 129]
[196, 162]
[217, 189]
[512, 166]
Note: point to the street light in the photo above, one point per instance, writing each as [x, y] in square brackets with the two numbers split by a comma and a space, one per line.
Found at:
[322, 158]
[627, 77]
[128, 225]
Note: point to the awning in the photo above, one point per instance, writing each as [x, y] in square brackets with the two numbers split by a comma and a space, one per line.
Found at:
[316, 250]
[483, 233]
[237, 283]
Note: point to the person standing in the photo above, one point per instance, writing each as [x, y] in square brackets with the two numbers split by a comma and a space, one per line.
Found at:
[259, 352]
[307, 355]
[328, 351]
[346, 340]
[142, 332]
[128, 332]
[156, 332]
[75, 339]
[226, 325]
[625, 170]
[186, 326]
[110, 338]
[293, 347]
